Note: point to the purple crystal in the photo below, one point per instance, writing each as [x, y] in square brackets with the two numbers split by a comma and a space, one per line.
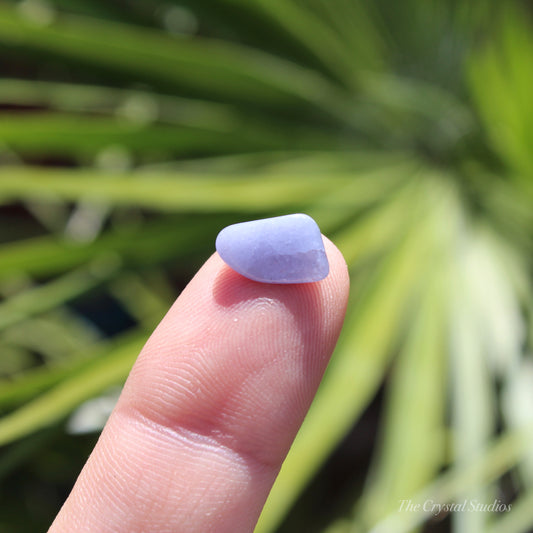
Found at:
[287, 249]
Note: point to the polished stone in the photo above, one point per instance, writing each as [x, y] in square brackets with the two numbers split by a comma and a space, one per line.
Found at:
[286, 249]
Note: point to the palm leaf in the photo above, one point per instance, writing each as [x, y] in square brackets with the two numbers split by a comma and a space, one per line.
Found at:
[132, 132]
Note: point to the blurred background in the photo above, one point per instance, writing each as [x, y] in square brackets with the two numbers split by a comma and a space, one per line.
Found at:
[132, 131]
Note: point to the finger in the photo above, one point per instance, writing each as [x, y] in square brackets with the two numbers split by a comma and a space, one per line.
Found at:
[211, 406]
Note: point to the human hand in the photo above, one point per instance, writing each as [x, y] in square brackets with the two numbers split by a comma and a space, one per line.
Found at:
[211, 406]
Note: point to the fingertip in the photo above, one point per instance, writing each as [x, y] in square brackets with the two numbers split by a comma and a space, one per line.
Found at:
[338, 268]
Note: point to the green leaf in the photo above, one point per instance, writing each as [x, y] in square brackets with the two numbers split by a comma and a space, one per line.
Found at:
[42, 298]
[166, 191]
[354, 24]
[355, 372]
[373, 234]
[53, 405]
[46, 133]
[209, 68]
[501, 82]
[102, 99]
[519, 519]
[473, 403]
[412, 448]
[146, 303]
[500, 455]
[517, 407]
[318, 38]
[26, 385]
[149, 244]
[56, 335]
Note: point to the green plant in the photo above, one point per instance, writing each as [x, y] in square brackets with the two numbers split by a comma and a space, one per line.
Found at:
[131, 132]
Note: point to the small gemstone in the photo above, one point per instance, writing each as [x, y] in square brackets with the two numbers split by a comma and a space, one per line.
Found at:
[286, 249]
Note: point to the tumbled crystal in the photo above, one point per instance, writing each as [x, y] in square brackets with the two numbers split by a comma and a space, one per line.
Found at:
[286, 249]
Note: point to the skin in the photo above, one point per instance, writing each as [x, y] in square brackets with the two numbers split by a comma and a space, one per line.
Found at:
[211, 406]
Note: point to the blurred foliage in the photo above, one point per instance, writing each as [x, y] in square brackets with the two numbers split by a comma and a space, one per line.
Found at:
[132, 131]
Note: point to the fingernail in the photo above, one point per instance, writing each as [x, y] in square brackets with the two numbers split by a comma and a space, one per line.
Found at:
[286, 249]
